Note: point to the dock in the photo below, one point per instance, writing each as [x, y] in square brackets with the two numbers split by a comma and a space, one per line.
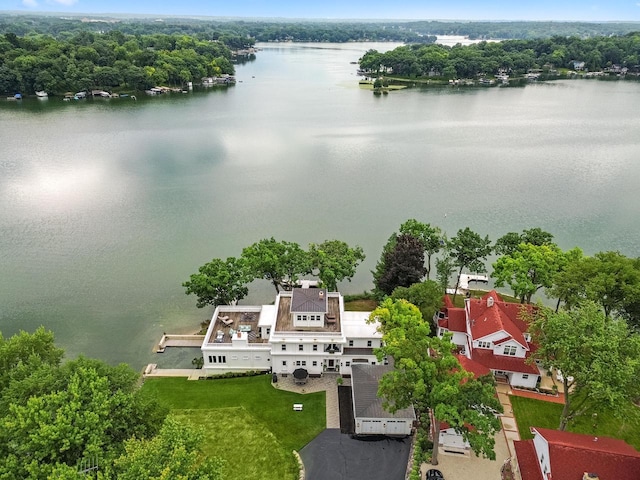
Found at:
[170, 340]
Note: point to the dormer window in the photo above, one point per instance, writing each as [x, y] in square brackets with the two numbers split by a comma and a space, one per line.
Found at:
[509, 350]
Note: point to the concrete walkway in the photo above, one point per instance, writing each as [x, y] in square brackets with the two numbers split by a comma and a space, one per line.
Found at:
[509, 426]
[327, 383]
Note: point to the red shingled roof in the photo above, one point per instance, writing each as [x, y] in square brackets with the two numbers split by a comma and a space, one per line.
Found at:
[474, 367]
[527, 460]
[457, 320]
[501, 316]
[503, 362]
[572, 454]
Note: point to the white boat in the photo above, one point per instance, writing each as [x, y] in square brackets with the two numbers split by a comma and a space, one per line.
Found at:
[42, 94]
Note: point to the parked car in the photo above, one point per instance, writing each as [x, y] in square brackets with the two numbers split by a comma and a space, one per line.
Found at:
[434, 474]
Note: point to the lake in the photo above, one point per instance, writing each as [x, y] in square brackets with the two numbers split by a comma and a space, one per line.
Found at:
[109, 205]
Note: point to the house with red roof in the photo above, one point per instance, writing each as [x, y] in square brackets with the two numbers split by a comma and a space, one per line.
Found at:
[492, 333]
[556, 455]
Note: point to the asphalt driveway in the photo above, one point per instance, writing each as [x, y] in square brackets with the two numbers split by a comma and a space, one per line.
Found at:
[335, 456]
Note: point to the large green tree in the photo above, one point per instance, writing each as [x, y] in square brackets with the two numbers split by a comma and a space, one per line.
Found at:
[430, 237]
[609, 279]
[508, 243]
[220, 282]
[468, 250]
[280, 262]
[598, 356]
[427, 375]
[528, 268]
[401, 264]
[427, 296]
[54, 417]
[333, 261]
[175, 453]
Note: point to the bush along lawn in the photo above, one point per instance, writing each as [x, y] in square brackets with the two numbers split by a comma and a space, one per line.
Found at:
[537, 413]
[248, 423]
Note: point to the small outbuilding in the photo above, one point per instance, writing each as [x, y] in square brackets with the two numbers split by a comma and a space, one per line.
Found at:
[369, 415]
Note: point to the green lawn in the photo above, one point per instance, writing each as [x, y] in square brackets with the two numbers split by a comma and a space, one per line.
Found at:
[537, 413]
[249, 424]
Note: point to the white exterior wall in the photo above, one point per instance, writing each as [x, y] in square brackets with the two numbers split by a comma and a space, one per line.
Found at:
[542, 452]
[457, 338]
[519, 380]
[363, 342]
[499, 349]
[236, 359]
[383, 426]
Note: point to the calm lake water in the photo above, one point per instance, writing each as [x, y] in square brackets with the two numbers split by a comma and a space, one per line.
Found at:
[107, 206]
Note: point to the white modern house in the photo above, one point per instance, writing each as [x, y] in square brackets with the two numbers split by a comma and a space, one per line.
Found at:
[305, 328]
[492, 333]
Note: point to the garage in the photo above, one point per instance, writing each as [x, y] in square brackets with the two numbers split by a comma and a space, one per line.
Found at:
[370, 416]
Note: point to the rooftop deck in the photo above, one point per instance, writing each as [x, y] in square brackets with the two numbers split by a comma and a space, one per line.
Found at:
[229, 322]
[284, 321]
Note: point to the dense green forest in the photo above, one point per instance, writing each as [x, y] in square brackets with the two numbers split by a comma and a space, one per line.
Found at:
[108, 61]
[233, 33]
[514, 56]
[267, 30]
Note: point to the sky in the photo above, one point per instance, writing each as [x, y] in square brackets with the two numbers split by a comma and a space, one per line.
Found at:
[559, 10]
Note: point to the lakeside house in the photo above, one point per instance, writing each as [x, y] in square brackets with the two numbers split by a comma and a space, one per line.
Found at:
[492, 333]
[305, 328]
[554, 454]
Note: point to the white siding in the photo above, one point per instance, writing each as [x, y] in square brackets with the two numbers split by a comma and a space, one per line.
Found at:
[542, 452]
[383, 426]
[519, 380]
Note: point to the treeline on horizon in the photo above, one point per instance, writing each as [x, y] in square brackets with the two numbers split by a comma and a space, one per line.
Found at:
[271, 29]
[513, 56]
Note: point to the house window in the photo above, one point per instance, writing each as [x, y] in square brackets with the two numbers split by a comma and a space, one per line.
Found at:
[482, 344]
[245, 357]
[297, 363]
[351, 343]
[222, 359]
[348, 364]
[212, 359]
[314, 363]
[373, 363]
[304, 318]
[284, 347]
[234, 357]
[525, 376]
[284, 363]
[300, 347]
[315, 348]
[510, 350]
[268, 330]
[258, 357]
[304, 363]
[368, 343]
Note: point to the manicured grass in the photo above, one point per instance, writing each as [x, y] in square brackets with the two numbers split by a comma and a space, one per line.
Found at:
[250, 450]
[537, 413]
[534, 413]
[249, 422]
[362, 305]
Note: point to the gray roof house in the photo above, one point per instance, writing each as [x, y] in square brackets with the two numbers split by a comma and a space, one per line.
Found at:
[369, 415]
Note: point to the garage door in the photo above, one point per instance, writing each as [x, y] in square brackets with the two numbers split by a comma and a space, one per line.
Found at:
[396, 427]
[371, 427]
